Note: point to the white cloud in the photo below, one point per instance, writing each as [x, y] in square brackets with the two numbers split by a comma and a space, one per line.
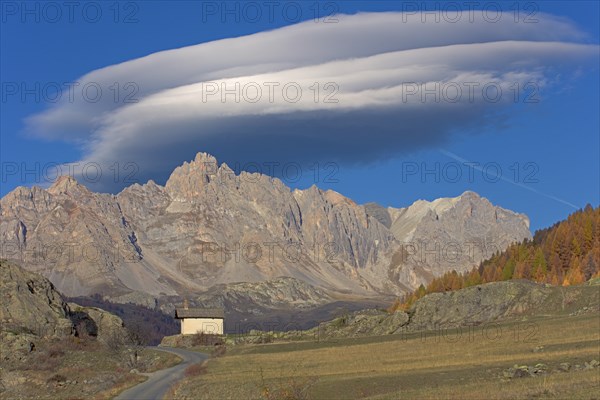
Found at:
[376, 64]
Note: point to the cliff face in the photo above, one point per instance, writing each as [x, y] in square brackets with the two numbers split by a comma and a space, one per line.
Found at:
[208, 226]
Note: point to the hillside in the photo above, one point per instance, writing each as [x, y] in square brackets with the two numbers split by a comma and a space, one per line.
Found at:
[54, 349]
[155, 322]
[568, 253]
[481, 305]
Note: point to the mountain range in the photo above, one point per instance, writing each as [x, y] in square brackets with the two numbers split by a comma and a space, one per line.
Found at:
[208, 228]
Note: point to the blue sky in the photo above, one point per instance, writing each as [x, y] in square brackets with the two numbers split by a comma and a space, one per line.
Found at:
[548, 152]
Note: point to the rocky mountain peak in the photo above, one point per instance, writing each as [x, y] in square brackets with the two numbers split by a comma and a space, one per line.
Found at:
[336, 198]
[151, 183]
[202, 157]
[188, 180]
[67, 184]
[470, 195]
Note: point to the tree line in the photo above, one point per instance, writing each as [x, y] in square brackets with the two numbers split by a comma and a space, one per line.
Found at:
[567, 253]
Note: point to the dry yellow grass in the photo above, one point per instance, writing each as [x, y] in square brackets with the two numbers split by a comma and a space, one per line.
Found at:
[94, 372]
[432, 365]
[125, 382]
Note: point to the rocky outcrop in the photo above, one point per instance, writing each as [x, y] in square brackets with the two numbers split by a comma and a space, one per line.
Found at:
[32, 309]
[30, 304]
[364, 323]
[500, 300]
[468, 307]
[479, 304]
[540, 369]
[208, 226]
[96, 321]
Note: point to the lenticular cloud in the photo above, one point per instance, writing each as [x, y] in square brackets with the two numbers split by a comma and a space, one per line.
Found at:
[370, 86]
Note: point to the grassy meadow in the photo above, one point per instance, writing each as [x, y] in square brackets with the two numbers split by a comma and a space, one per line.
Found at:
[452, 364]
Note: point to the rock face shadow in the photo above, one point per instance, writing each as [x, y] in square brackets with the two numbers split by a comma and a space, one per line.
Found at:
[83, 324]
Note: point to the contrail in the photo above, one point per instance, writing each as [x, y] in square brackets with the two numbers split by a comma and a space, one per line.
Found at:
[463, 160]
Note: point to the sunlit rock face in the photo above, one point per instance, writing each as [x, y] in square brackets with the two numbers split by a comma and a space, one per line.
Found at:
[208, 226]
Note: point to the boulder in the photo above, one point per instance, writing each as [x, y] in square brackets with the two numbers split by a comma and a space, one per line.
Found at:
[95, 321]
[565, 367]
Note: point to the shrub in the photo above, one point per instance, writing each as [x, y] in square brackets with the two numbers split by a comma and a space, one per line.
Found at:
[195, 370]
[340, 322]
[74, 343]
[56, 378]
[219, 351]
[54, 352]
[127, 344]
[267, 338]
[206, 339]
[397, 305]
[41, 361]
